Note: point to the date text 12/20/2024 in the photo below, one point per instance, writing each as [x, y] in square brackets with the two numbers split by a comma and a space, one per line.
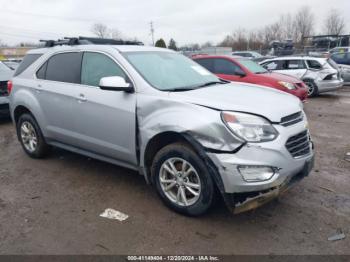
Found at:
[173, 258]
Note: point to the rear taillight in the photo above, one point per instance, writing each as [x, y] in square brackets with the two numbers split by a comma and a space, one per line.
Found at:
[9, 87]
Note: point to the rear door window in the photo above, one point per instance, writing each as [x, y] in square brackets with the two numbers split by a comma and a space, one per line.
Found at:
[293, 65]
[64, 67]
[225, 67]
[96, 66]
[27, 61]
[206, 63]
[314, 64]
[272, 65]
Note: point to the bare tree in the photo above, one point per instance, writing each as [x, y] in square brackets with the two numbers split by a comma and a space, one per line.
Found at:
[240, 39]
[303, 24]
[334, 23]
[227, 42]
[115, 33]
[255, 40]
[287, 27]
[100, 30]
[207, 44]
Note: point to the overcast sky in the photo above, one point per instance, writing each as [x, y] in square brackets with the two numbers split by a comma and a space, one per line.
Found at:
[187, 21]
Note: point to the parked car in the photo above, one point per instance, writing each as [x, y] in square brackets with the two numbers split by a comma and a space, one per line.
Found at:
[262, 58]
[319, 74]
[340, 49]
[157, 112]
[11, 64]
[245, 70]
[5, 75]
[247, 54]
[343, 62]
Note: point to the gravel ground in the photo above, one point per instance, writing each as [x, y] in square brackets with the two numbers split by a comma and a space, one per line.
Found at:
[52, 206]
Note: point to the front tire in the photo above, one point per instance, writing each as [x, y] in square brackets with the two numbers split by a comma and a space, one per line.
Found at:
[312, 89]
[30, 136]
[182, 180]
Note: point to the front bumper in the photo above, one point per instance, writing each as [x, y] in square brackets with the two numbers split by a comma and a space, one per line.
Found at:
[246, 202]
[329, 85]
[242, 195]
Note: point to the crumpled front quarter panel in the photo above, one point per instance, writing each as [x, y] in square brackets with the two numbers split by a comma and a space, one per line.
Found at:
[156, 115]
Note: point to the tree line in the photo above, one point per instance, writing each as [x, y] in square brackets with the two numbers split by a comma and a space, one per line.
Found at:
[296, 27]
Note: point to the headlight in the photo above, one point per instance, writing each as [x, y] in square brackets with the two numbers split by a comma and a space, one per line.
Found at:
[250, 128]
[287, 85]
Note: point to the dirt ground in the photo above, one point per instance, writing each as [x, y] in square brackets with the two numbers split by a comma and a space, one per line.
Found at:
[52, 206]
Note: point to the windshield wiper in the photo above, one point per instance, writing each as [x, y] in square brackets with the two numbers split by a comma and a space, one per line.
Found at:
[213, 83]
[179, 89]
[189, 88]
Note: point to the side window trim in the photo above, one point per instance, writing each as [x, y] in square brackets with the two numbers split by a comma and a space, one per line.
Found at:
[82, 51]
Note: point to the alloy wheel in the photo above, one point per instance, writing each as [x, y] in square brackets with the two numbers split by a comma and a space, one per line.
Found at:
[310, 88]
[180, 182]
[29, 136]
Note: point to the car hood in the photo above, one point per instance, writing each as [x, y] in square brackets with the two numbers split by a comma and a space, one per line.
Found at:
[280, 77]
[267, 102]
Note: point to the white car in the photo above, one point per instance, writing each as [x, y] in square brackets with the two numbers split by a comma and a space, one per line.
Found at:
[319, 74]
[247, 54]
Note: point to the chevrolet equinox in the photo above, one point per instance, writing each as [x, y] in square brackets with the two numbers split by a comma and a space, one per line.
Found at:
[189, 133]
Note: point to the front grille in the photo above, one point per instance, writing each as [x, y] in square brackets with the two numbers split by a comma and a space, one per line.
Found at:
[3, 88]
[299, 145]
[292, 119]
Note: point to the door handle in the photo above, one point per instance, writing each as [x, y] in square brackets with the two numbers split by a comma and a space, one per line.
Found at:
[81, 98]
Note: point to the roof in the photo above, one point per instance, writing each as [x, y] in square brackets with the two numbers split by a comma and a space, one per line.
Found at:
[218, 56]
[120, 48]
[296, 58]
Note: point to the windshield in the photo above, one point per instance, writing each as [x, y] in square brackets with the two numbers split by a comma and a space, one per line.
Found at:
[252, 66]
[168, 71]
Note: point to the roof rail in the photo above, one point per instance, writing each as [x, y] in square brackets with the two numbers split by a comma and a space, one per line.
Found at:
[82, 40]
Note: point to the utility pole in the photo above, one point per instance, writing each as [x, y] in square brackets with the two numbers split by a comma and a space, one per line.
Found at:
[152, 32]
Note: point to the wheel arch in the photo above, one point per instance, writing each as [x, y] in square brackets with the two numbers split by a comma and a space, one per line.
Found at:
[20, 110]
[163, 139]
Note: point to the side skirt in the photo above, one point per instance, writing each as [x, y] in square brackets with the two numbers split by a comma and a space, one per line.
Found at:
[93, 155]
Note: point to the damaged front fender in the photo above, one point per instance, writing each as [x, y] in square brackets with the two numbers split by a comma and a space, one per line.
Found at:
[203, 124]
[157, 115]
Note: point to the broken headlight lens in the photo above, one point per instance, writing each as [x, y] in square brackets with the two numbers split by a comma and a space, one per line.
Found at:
[251, 128]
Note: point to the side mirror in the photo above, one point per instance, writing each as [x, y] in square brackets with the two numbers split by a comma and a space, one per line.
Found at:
[240, 73]
[115, 83]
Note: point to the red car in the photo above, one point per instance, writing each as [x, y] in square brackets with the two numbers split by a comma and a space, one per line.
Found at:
[244, 70]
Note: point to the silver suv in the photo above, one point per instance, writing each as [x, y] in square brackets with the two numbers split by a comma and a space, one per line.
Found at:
[319, 74]
[187, 132]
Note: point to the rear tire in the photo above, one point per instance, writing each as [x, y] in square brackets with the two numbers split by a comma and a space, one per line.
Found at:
[182, 180]
[312, 88]
[31, 137]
